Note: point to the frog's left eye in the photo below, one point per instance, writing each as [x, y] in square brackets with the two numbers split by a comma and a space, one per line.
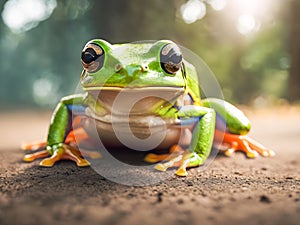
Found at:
[92, 57]
[170, 58]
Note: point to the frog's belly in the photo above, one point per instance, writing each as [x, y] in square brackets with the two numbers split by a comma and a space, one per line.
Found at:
[138, 135]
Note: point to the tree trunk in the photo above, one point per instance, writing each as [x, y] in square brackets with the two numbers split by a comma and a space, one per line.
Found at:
[294, 82]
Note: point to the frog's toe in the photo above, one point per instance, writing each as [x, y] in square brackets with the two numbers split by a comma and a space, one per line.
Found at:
[260, 149]
[37, 155]
[181, 172]
[83, 163]
[169, 164]
[229, 152]
[251, 153]
[76, 156]
[268, 153]
[49, 162]
[190, 159]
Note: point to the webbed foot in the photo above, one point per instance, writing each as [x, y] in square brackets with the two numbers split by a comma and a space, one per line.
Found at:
[177, 158]
[60, 152]
[182, 161]
[68, 150]
[243, 143]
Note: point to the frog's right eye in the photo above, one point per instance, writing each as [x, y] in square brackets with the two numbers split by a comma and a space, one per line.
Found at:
[92, 57]
[171, 58]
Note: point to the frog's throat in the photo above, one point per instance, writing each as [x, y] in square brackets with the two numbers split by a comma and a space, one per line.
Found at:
[138, 100]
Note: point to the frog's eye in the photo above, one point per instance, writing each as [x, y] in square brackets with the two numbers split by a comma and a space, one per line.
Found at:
[170, 58]
[92, 57]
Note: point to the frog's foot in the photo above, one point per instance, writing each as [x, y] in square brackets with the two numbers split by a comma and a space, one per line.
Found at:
[182, 161]
[243, 143]
[61, 152]
[69, 150]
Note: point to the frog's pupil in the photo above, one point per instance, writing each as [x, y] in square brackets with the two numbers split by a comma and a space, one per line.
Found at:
[89, 55]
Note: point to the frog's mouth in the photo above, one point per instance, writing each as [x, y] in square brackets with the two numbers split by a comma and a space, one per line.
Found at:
[134, 100]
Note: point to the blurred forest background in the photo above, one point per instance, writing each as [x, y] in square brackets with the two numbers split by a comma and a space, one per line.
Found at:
[252, 46]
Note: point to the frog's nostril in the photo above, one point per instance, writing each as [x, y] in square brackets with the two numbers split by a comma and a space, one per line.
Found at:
[118, 67]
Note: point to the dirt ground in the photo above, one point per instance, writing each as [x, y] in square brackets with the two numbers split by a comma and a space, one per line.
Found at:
[232, 190]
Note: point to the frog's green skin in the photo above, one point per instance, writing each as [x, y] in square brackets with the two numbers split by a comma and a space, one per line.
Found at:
[133, 70]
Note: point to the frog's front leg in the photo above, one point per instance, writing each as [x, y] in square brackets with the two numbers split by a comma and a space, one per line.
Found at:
[61, 135]
[201, 143]
[236, 126]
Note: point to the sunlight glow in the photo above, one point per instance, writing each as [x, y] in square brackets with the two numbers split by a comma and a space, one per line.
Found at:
[249, 14]
[218, 4]
[23, 15]
[246, 24]
[192, 11]
[254, 7]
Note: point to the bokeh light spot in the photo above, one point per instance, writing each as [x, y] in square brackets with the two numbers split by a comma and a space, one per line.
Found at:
[218, 4]
[45, 91]
[246, 24]
[192, 11]
[23, 15]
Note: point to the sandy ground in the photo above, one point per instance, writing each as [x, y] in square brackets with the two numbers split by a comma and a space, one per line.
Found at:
[232, 190]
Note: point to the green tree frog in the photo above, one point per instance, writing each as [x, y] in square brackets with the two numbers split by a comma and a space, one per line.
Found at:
[171, 99]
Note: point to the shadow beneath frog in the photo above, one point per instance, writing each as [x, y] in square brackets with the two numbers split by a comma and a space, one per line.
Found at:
[65, 179]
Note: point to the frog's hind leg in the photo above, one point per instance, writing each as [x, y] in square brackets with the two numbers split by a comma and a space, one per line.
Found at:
[242, 143]
[235, 127]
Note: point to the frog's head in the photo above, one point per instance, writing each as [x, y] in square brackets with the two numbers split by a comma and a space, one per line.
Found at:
[133, 67]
